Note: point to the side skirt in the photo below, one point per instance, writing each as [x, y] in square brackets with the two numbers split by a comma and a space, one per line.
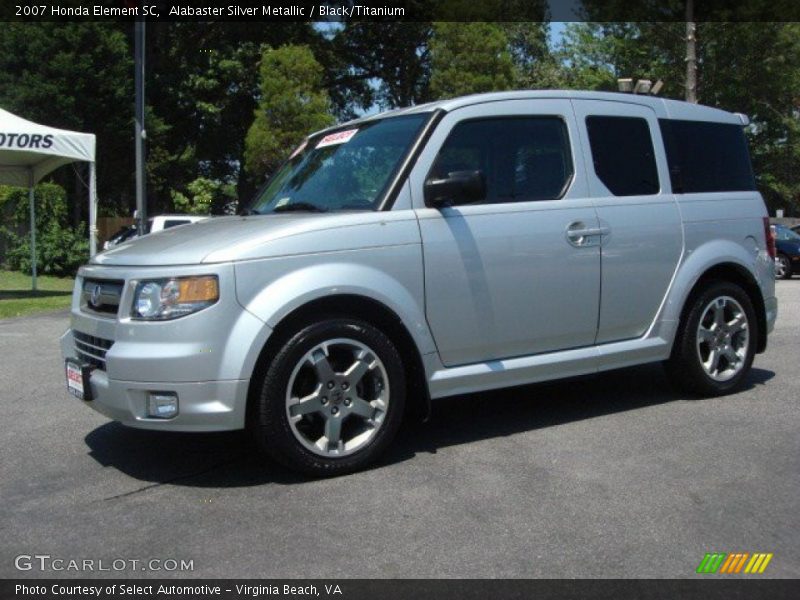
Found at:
[509, 372]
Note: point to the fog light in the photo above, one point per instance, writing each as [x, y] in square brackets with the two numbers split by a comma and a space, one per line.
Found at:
[162, 405]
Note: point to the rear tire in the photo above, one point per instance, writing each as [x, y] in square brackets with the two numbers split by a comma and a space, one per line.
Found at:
[332, 399]
[716, 341]
[783, 267]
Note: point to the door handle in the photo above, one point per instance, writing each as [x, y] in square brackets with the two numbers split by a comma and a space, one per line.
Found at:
[581, 236]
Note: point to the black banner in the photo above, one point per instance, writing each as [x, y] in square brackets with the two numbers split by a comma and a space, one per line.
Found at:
[389, 589]
[397, 10]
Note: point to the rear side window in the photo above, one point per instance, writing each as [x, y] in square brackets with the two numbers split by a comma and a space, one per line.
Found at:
[622, 153]
[706, 157]
[522, 158]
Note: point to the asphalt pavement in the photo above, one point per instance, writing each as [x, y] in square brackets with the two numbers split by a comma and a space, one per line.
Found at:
[614, 475]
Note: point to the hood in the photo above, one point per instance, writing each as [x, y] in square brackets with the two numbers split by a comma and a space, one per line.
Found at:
[223, 239]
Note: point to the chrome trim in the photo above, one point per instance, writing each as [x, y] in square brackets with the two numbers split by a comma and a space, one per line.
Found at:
[91, 348]
[101, 296]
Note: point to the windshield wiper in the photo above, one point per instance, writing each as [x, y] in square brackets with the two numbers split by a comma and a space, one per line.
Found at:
[246, 212]
[299, 207]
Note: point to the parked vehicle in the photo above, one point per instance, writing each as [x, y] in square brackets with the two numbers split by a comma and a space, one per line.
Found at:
[123, 235]
[154, 224]
[464, 245]
[162, 222]
[787, 261]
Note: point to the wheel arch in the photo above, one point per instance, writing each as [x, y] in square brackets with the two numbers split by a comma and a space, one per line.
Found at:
[357, 306]
[735, 273]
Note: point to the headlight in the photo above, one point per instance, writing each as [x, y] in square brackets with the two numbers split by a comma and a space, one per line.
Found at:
[162, 299]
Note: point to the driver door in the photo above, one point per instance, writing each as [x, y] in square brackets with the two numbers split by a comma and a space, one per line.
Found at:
[519, 272]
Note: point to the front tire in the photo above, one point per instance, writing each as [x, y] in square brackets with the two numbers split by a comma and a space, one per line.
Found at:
[332, 399]
[716, 341]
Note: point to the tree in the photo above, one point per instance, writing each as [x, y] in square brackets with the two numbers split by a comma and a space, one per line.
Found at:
[395, 59]
[393, 56]
[292, 103]
[535, 65]
[203, 86]
[468, 58]
[204, 197]
[596, 54]
[75, 76]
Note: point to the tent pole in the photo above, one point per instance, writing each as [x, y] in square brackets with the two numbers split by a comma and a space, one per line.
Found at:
[92, 210]
[33, 231]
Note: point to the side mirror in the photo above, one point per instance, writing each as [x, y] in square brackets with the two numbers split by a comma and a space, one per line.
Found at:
[459, 187]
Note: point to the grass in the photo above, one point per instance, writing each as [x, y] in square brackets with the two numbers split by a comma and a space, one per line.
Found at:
[17, 299]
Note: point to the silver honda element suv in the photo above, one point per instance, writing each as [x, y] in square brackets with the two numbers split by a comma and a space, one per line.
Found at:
[464, 245]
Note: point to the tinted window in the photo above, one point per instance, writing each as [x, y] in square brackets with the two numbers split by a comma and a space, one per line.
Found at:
[706, 157]
[622, 153]
[175, 222]
[522, 158]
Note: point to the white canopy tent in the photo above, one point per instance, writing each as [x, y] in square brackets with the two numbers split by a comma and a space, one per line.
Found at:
[29, 151]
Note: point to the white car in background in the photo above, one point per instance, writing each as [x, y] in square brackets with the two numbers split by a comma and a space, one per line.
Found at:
[162, 222]
[154, 224]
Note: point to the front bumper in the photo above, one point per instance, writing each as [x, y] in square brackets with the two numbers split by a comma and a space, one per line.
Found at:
[206, 358]
[202, 406]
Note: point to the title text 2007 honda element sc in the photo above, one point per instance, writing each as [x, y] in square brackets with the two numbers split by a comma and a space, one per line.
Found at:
[464, 245]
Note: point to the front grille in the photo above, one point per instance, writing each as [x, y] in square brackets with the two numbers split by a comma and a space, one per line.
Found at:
[92, 349]
[101, 295]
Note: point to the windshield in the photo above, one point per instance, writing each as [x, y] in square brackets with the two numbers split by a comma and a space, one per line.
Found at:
[349, 169]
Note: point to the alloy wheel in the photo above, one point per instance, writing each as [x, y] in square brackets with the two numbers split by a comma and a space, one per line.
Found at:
[722, 338]
[337, 397]
[781, 267]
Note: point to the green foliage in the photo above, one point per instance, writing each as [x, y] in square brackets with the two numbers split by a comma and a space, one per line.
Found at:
[585, 52]
[469, 58]
[49, 200]
[203, 86]
[204, 197]
[599, 53]
[535, 65]
[75, 76]
[394, 56]
[292, 104]
[60, 249]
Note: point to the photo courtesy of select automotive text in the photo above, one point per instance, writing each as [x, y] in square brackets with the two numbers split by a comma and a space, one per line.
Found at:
[400, 299]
